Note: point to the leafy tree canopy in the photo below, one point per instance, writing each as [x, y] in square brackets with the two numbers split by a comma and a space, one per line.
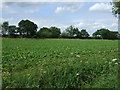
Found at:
[27, 27]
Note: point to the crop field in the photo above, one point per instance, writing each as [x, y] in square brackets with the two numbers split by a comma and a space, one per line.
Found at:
[59, 63]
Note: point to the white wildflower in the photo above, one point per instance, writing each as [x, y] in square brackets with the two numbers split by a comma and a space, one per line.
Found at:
[116, 63]
[77, 55]
[77, 74]
[114, 60]
[44, 71]
[71, 53]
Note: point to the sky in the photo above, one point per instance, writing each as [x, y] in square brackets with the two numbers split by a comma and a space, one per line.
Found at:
[83, 15]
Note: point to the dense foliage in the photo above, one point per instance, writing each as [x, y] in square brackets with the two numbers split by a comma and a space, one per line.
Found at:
[28, 29]
[105, 34]
[116, 7]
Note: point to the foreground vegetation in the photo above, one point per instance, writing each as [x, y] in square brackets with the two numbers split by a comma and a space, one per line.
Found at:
[59, 63]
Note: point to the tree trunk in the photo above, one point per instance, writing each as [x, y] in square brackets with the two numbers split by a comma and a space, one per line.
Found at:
[119, 23]
[118, 52]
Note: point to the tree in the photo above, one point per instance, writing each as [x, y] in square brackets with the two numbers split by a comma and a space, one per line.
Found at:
[64, 34]
[5, 27]
[77, 33]
[113, 35]
[27, 27]
[72, 32]
[116, 11]
[102, 33]
[116, 7]
[0, 30]
[12, 31]
[105, 34]
[84, 33]
[19, 31]
[44, 33]
[96, 34]
[55, 32]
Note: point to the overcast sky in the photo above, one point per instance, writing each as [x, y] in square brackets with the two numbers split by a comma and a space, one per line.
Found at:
[90, 16]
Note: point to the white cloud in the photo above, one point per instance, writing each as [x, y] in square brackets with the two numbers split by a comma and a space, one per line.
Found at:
[114, 24]
[5, 19]
[8, 9]
[101, 7]
[71, 7]
[57, 0]
[79, 25]
[24, 4]
[92, 26]
[59, 9]
[31, 11]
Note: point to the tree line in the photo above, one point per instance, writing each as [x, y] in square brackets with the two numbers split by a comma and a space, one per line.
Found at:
[28, 29]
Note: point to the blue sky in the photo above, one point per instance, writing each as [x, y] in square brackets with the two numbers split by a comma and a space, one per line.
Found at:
[90, 16]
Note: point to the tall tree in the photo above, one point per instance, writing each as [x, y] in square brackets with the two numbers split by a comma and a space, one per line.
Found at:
[105, 34]
[55, 32]
[5, 27]
[84, 33]
[64, 34]
[113, 35]
[44, 32]
[27, 27]
[116, 11]
[19, 31]
[12, 31]
[97, 34]
[0, 30]
[72, 32]
[77, 33]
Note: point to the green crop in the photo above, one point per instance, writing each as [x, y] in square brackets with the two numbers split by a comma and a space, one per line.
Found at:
[59, 63]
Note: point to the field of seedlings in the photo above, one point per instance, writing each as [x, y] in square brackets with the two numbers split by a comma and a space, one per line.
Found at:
[59, 63]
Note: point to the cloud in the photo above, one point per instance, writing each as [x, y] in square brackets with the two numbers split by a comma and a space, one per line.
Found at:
[92, 26]
[24, 4]
[8, 9]
[31, 11]
[70, 7]
[57, 0]
[79, 25]
[101, 7]
[5, 19]
[59, 9]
